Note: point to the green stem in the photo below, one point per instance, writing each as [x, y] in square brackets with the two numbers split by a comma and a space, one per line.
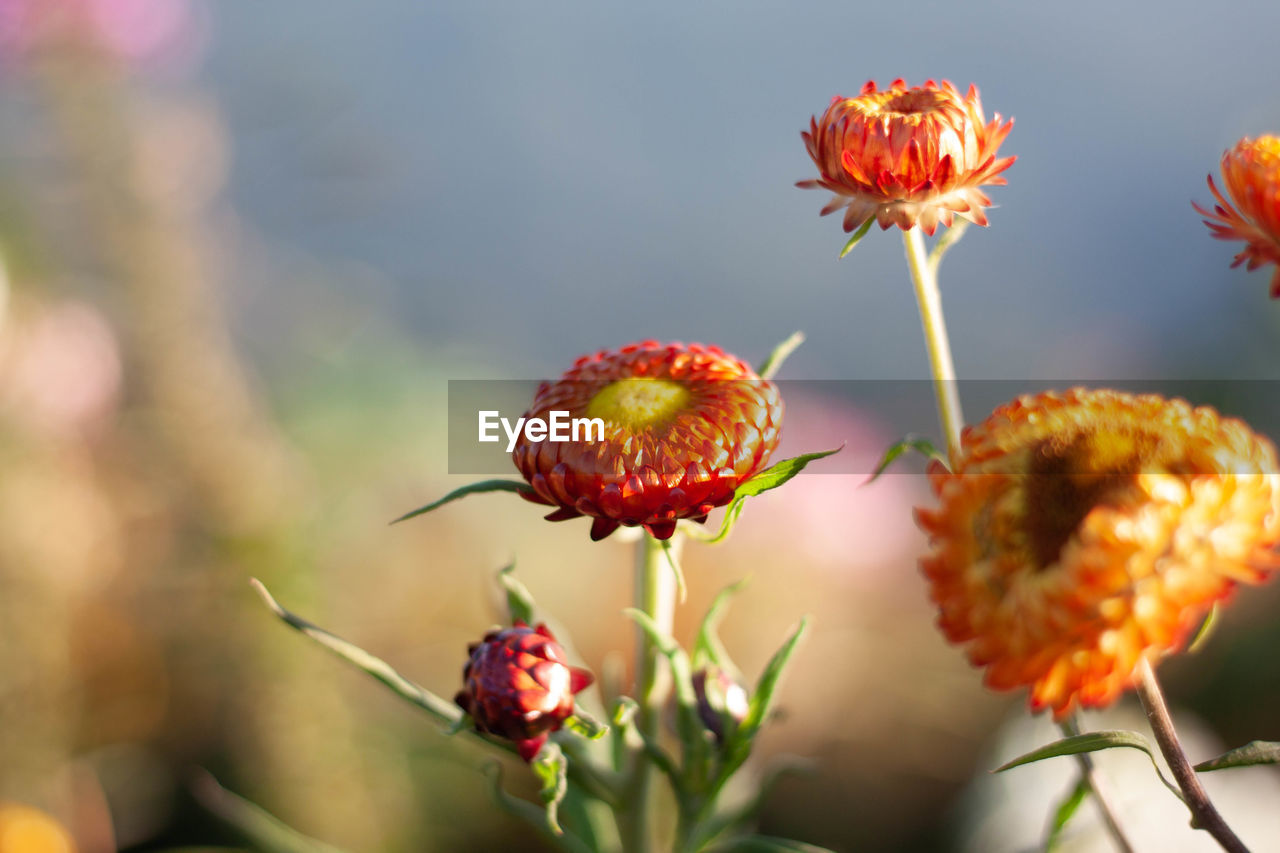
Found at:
[1203, 814]
[1101, 794]
[924, 277]
[655, 594]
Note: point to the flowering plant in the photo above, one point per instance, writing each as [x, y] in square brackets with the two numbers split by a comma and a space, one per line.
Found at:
[1078, 536]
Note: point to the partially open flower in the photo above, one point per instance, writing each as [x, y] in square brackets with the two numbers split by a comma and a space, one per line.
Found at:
[722, 702]
[684, 425]
[518, 685]
[907, 155]
[1080, 532]
[1251, 172]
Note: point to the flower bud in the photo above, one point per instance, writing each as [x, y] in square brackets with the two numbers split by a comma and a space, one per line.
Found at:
[721, 700]
[518, 685]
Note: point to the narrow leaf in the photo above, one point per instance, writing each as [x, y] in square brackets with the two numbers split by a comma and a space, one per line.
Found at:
[1205, 630]
[708, 648]
[771, 365]
[762, 699]
[915, 443]
[1063, 813]
[857, 236]
[1254, 752]
[519, 599]
[768, 479]
[582, 723]
[517, 486]
[445, 712]
[551, 768]
[266, 831]
[1091, 742]
[682, 591]
[529, 812]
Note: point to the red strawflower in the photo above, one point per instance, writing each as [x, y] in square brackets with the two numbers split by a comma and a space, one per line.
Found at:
[684, 425]
[518, 685]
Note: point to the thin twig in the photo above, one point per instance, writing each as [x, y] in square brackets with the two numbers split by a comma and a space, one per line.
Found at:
[1203, 814]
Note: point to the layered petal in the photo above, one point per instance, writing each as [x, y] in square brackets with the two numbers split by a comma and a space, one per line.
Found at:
[907, 156]
[1080, 532]
[1251, 174]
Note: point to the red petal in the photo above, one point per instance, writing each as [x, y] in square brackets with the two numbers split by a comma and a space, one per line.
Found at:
[579, 679]
[528, 749]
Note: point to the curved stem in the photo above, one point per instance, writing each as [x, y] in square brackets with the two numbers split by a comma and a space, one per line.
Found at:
[1098, 787]
[1203, 814]
[924, 277]
[655, 594]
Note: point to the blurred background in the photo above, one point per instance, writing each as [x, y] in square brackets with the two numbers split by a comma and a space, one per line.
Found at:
[245, 245]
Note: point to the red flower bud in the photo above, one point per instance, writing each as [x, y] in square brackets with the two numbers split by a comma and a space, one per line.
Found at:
[518, 685]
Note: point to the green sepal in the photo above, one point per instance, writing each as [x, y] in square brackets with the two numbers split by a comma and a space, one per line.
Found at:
[768, 479]
[518, 486]
[585, 725]
[771, 365]
[1253, 752]
[1091, 742]
[552, 770]
[857, 236]
[915, 443]
[1205, 630]
[520, 604]
[1063, 813]
[708, 648]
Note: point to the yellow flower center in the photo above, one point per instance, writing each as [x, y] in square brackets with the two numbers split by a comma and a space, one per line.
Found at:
[639, 402]
[1070, 476]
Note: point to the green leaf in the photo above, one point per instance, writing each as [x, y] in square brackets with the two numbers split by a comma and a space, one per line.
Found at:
[857, 236]
[551, 768]
[519, 599]
[1064, 812]
[1205, 629]
[518, 486]
[267, 832]
[682, 591]
[1091, 742]
[445, 712]
[762, 699]
[915, 443]
[738, 745]
[708, 648]
[768, 479]
[771, 365]
[585, 725]
[1254, 752]
[527, 811]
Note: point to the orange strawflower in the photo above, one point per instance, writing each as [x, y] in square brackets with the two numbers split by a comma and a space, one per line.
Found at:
[1251, 171]
[684, 424]
[907, 156]
[1079, 532]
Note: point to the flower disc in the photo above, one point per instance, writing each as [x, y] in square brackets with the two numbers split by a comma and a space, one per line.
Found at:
[1251, 172]
[684, 425]
[1079, 532]
[907, 155]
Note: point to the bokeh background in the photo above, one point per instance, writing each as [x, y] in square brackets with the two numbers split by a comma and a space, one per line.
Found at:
[245, 245]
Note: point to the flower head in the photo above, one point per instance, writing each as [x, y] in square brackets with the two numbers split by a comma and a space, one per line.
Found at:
[907, 155]
[684, 425]
[518, 685]
[1251, 172]
[1080, 532]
